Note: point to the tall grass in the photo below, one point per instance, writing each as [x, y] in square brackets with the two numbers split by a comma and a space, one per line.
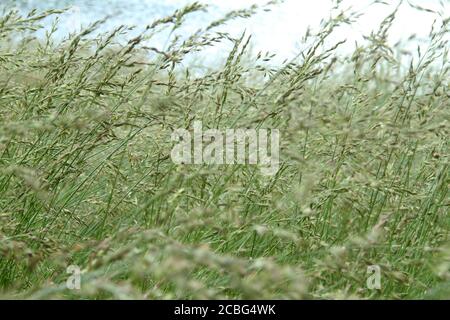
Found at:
[86, 177]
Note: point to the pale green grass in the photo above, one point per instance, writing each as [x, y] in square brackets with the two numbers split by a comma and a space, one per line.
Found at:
[86, 178]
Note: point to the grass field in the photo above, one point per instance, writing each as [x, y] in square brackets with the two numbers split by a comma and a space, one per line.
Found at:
[86, 177]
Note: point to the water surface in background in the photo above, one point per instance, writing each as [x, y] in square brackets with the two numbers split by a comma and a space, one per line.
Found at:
[278, 31]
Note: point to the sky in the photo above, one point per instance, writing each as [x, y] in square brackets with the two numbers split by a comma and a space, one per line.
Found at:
[278, 31]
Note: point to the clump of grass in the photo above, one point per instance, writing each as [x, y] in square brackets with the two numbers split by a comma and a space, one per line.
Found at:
[86, 178]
